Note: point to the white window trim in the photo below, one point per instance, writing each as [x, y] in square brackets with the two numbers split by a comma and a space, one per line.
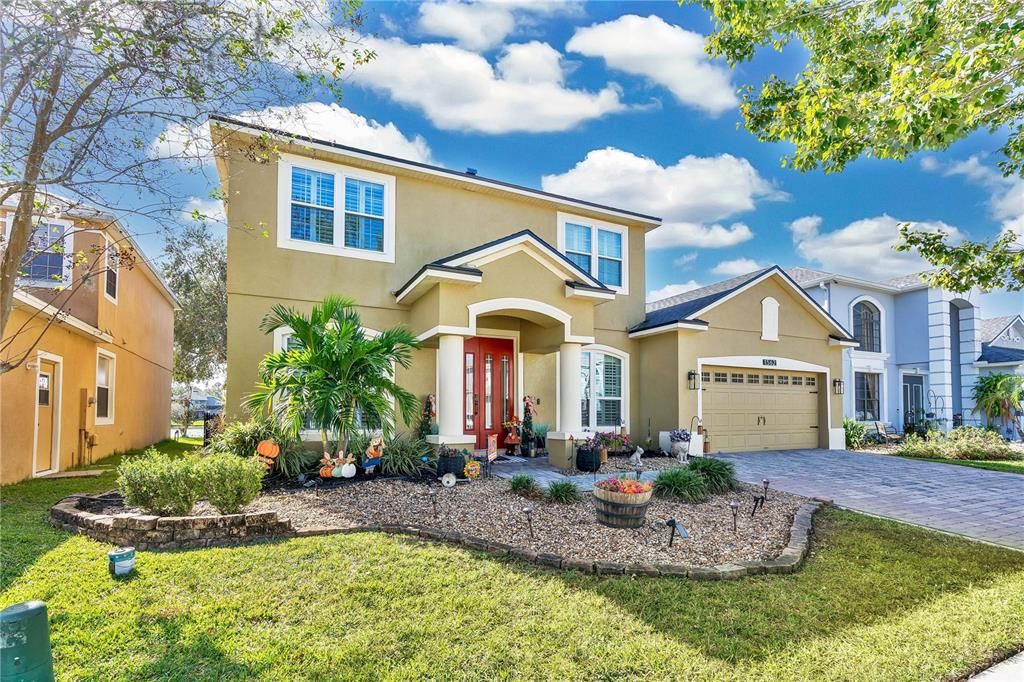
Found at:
[281, 335]
[881, 325]
[108, 243]
[69, 246]
[624, 357]
[340, 172]
[56, 404]
[111, 386]
[769, 319]
[595, 225]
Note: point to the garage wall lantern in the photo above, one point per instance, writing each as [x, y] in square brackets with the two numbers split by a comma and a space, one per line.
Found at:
[838, 387]
[691, 379]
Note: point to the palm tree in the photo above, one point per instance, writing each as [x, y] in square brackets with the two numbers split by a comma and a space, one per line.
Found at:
[333, 371]
[999, 396]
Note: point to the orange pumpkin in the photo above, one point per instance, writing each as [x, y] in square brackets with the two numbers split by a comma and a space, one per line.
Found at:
[268, 448]
[326, 472]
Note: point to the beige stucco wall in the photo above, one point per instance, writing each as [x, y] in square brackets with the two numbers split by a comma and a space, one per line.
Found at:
[142, 327]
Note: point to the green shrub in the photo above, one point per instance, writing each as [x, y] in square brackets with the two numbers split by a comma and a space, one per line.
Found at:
[855, 432]
[160, 484]
[682, 484]
[241, 439]
[403, 456]
[523, 484]
[965, 442]
[230, 482]
[563, 492]
[719, 476]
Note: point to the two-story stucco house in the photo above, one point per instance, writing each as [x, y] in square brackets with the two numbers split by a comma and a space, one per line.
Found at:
[918, 347]
[98, 339]
[513, 291]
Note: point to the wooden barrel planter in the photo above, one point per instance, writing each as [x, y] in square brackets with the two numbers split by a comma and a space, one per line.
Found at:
[588, 459]
[621, 510]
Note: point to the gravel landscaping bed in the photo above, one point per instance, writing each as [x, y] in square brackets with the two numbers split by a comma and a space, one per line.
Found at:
[486, 510]
[649, 464]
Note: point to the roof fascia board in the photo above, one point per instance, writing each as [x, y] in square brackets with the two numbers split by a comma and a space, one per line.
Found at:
[670, 327]
[63, 317]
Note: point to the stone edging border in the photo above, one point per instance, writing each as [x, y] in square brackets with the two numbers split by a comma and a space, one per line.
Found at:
[191, 532]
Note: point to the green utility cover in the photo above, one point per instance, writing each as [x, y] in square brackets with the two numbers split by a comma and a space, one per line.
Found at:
[25, 643]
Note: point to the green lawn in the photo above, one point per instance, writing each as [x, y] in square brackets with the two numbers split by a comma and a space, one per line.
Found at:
[877, 601]
[1013, 466]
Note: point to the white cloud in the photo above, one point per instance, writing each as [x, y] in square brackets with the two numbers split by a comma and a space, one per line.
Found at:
[460, 90]
[672, 290]
[314, 119]
[737, 266]
[212, 210]
[688, 195]
[696, 235]
[685, 261]
[1006, 194]
[864, 247]
[664, 53]
[481, 26]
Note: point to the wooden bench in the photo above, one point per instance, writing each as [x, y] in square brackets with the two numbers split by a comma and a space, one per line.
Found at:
[887, 433]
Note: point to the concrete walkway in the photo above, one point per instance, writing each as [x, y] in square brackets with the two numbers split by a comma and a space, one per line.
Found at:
[1010, 670]
[979, 504]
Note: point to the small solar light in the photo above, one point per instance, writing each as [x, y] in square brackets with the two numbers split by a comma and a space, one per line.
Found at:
[674, 528]
[528, 510]
[432, 492]
[758, 503]
[735, 507]
[765, 482]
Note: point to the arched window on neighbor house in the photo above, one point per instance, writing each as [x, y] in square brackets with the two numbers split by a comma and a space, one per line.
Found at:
[867, 326]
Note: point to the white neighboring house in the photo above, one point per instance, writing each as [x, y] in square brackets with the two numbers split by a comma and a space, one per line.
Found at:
[919, 347]
[1002, 348]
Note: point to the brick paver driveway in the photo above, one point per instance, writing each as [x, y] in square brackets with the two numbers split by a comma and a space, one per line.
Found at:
[987, 505]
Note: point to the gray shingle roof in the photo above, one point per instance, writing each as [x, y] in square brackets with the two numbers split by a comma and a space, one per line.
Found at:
[907, 281]
[703, 292]
[1000, 354]
[801, 275]
[991, 327]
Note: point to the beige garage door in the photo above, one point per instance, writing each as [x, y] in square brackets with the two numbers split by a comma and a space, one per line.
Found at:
[746, 409]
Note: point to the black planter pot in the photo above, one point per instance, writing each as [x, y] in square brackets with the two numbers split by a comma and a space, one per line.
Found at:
[542, 443]
[451, 465]
[588, 459]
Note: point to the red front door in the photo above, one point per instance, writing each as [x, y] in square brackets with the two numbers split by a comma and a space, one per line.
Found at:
[488, 389]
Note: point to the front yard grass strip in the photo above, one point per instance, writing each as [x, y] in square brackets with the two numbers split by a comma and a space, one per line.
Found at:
[876, 600]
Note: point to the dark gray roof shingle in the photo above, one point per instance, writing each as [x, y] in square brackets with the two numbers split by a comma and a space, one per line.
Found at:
[1000, 354]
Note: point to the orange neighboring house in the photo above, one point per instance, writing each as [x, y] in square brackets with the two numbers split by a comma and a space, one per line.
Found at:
[98, 380]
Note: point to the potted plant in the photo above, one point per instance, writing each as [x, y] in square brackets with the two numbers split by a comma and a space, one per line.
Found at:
[622, 503]
[588, 456]
[541, 431]
[450, 461]
[680, 439]
[529, 445]
[512, 440]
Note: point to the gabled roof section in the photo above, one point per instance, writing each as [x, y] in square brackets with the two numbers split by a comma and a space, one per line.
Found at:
[228, 123]
[994, 326]
[465, 266]
[807, 278]
[686, 309]
[1000, 355]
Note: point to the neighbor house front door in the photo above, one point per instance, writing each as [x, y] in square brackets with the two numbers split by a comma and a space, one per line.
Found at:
[488, 389]
[913, 400]
[45, 394]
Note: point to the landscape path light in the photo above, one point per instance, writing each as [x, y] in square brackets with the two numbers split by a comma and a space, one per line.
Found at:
[528, 510]
[735, 507]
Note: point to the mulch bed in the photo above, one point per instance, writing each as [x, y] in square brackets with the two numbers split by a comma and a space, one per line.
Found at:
[487, 510]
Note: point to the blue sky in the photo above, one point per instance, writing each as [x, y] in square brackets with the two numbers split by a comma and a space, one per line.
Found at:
[615, 102]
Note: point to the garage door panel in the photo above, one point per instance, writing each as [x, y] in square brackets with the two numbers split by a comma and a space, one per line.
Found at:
[777, 410]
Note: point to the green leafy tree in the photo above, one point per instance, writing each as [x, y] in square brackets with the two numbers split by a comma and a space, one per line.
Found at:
[333, 371]
[86, 87]
[886, 79]
[999, 396]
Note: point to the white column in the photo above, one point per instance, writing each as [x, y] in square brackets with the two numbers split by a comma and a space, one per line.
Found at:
[940, 357]
[569, 389]
[450, 357]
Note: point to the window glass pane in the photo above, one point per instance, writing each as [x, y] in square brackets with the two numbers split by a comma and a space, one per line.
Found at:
[608, 375]
[609, 244]
[705, 377]
[585, 391]
[867, 322]
[736, 379]
[720, 377]
[364, 197]
[103, 371]
[312, 224]
[577, 238]
[753, 378]
[488, 390]
[609, 412]
[364, 233]
[312, 187]
[609, 272]
[811, 381]
[47, 264]
[470, 422]
[783, 380]
[866, 396]
[44, 389]
[580, 259]
[798, 381]
[769, 378]
[506, 382]
[102, 402]
[113, 265]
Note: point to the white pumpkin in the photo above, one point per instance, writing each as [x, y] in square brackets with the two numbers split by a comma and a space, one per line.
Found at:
[348, 470]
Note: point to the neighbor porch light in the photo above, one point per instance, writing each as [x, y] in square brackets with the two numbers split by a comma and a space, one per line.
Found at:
[691, 379]
[838, 387]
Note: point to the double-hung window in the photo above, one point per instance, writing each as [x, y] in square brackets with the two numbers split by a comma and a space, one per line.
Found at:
[866, 397]
[49, 257]
[598, 249]
[105, 376]
[334, 209]
[602, 380]
[113, 270]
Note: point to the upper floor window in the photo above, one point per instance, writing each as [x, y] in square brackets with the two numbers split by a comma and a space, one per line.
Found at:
[867, 326]
[334, 209]
[105, 387]
[48, 260]
[598, 248]
[112, 273]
